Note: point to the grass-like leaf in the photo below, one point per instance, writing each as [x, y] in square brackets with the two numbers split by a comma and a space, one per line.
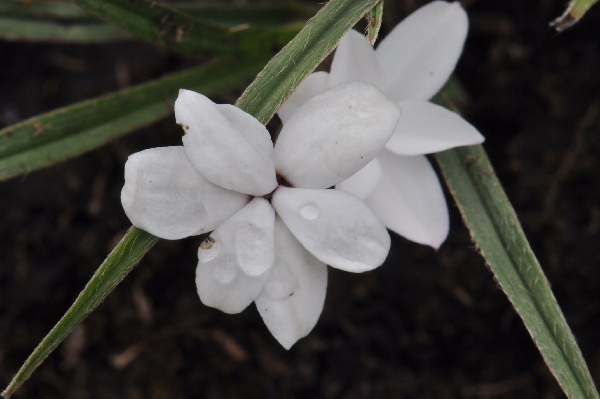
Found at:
[574, 12]
[374, 20]
[61, 21]
[52, 9]
[251, 14]
[496, 231]
[262, 98]
[164, 25]
[217, 13]
[52, 31]
[67, 132]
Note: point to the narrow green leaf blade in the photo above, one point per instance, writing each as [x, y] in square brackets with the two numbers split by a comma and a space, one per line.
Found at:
[128, 252]
[574, 12]
[55, 9]
[216, 13]
[65, 22]
[56, 32]
[496, 230]
[252, 14]
[374, 19]
[166, 26]
[261, 99]
[67, 132]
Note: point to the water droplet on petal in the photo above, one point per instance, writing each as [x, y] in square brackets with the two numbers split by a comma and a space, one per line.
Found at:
[254, 251]
[225, 272]
[208, 250]
[309, 211]
[282, 283]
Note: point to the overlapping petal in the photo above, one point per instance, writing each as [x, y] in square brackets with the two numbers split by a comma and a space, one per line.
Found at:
[363, 182]
[426, 128]
[315, 83]
[355, 60]
[336, 227]
[164, 195]
[410, 200]
[420, 53]
[227, 146]
[293, 298]
[236, 260]
[334, 135]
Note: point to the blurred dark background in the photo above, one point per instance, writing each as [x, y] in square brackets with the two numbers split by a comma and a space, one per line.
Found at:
[424, 325]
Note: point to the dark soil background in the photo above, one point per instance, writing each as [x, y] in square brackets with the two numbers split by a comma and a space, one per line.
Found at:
[424, 325]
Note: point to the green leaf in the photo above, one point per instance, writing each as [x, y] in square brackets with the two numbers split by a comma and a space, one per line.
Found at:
[252, 14]
[50, 31]
[60, 21]
[216, 13]
[166, 26]
[496, 231]
[261, 99]
[374, 19]
[574, 12]
[55, 9]
[67, 132]
[128, 252]
[53, 21]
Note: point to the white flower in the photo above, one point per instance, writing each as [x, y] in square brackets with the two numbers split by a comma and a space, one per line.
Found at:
[410, 65]
[223, 177]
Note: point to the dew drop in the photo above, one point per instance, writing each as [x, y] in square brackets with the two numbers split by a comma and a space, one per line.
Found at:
[309, 211]
[225, 272]
[255, 252]
[208, 250]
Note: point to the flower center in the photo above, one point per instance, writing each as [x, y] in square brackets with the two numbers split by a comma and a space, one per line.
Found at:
[280, 182]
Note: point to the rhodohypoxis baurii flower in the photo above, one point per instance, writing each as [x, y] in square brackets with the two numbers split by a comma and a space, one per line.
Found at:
[276, 224]
[410, 65]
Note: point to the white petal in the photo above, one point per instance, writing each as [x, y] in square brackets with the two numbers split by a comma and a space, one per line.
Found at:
[335, 226]
[426, 128]
[334, 135]
[227, 146]
[420, 53]
[363, 182]
[315, 83]
[235, 261]
[409, 199]
[293, 298]
[354, 60]
[164, 195]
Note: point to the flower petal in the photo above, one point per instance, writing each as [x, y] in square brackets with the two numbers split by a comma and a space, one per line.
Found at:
[164, 195]
[363, 182]
[235, 261]
[354, 60]
[426, 128]
[315, 83]
[409, 199]
[420, 53]
[293, 298]
[336, 227]
[227, 146]
[334, 135]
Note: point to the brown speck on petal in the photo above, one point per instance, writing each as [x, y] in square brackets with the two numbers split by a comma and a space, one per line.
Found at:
[208, 243]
